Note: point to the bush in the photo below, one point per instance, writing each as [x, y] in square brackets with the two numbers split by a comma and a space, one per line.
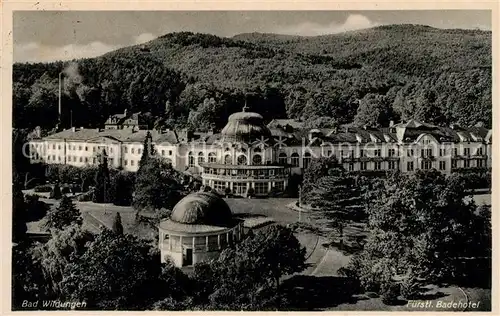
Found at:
[389, 292]
[250, 192]
[86, 197]
[410, 288]
[56, 192]
[45, 188]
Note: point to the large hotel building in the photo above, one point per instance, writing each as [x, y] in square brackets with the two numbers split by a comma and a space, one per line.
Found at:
[249, 154]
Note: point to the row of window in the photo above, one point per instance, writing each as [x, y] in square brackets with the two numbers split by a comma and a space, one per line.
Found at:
[110, 149]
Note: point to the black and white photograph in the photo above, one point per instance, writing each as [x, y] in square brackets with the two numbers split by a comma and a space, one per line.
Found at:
[324, 160]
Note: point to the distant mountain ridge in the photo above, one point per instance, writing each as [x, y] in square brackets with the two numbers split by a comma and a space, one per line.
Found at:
[404, 71]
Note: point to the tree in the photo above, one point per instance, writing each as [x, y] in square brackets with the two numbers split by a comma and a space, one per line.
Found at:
[66, 246]
[157, 185]
[148, 150]
[56, 192]
[248, 276]
[19, 213]
[102, 276]
[338, 199]
[373, 110]
[28, 282]
[117, 224]
[63, 215]
[102, 184]
[422, 224]
[123, 187]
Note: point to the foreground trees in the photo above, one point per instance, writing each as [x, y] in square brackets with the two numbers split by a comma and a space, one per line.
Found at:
[423, 226]
[248, 276]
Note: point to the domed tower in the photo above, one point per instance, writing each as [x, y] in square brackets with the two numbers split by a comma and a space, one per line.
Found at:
[200, 227]
[245, 127]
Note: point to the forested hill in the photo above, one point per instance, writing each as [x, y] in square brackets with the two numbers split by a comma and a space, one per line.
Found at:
[369, 76]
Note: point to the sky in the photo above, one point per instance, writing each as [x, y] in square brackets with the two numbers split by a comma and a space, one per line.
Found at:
[44, 36]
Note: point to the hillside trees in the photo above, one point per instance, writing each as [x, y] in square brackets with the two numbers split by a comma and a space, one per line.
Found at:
[314, 77]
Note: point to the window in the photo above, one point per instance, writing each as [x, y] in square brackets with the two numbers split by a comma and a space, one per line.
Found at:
[442, 152]
[429, 152]
[479, 151]
[228, 160]
[219, 185]
[201, 159]
[282, 158]
[59, 147]
[409, 166]
[426, 164]
[93, 149]
[93, 160]
[132, 162]
[139, 150]
[363, 165]
[295, 159]
[261, 188]
[257, 159]
[378, 165]
[190, 159]
[466, 151]
[110, 150]
[455, 150]
[351, 166]
[280, 185]
[467, 163]
[392, 152]
[242, 160]
[480, 163]
[59, 158]
[378, 152]
[422, 153]
[392, 165]
[163, 152]
[410, 153]
[328, 153]
[454, 164]
[132, 150]
[81, 159]
[170, 153]
[211, 157]
[86, 148]
[79, 147]
[361, 153]
[442, 165]
[307, 159]
[125, 162]
[53, 146]
[125, 149]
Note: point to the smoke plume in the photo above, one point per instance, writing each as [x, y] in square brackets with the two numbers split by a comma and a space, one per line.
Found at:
[72, 78]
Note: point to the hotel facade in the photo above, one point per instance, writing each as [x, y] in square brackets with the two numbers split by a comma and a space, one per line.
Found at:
[249, 154]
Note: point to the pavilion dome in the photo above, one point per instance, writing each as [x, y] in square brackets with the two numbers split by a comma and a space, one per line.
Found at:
[202, 208]
[245, 126]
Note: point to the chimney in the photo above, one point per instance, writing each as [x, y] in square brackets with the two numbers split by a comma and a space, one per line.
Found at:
[59, 96]
[391, 123]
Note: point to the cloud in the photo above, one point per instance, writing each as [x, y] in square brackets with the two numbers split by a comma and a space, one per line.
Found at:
[353, 22]
[35, 52]
[143, 38]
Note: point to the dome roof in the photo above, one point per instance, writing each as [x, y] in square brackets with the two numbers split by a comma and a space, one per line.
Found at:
[202, 208]
[245, 126]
